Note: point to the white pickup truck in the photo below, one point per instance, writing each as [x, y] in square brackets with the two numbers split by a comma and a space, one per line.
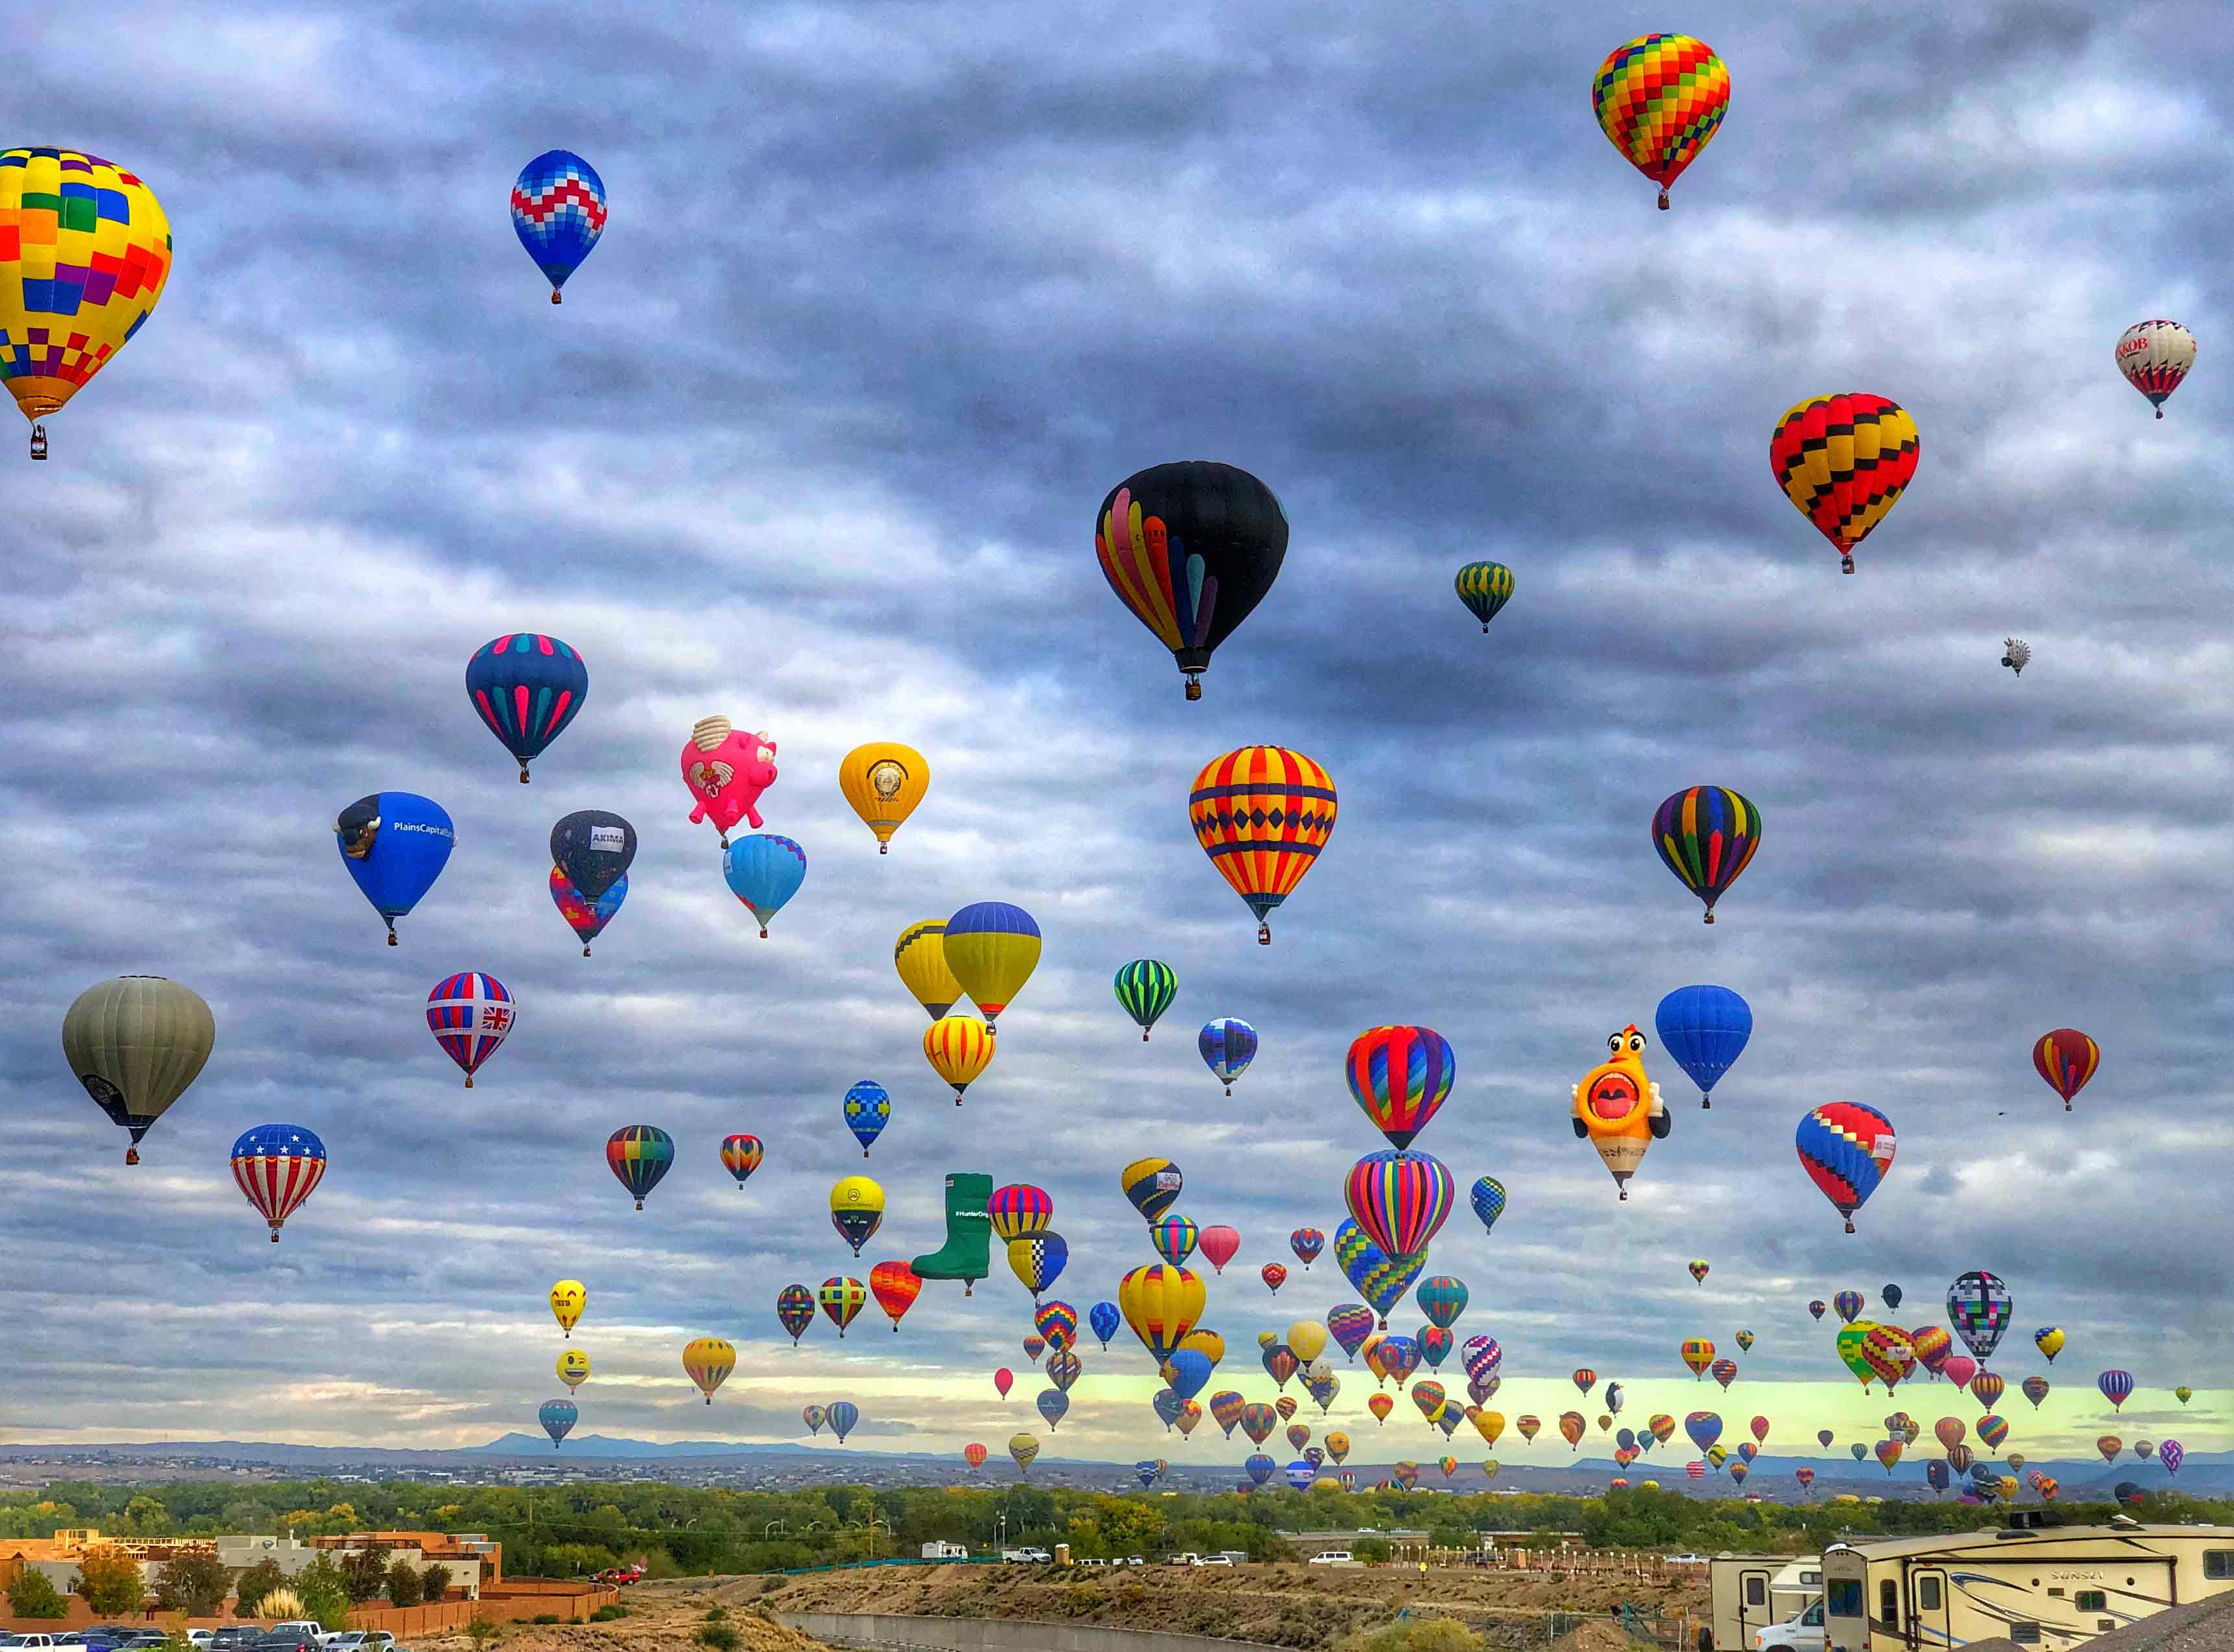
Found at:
[1800, 1633]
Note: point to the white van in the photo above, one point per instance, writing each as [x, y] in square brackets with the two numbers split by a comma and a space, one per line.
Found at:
[1800, 1633]
[1333, 1558]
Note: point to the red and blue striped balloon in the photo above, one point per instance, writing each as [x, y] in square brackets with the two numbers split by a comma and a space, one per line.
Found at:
[277, 1166]
[1399, 1076]
[471, 1014]
[1845, 1148]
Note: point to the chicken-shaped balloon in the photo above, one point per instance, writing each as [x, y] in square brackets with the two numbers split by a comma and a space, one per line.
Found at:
[1618, 1109]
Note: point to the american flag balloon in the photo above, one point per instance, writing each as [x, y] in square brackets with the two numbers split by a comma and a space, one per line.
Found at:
[277, 1166]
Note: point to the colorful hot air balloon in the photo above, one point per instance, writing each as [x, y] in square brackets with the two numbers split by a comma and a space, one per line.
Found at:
[557, 1417]
[1888, 1454]
[959, 1049]
[1219, 1245]
[1618, 1110]
[2065, 1060]
[842, 1415]
[568, 1298]
[1615, 1397]
[1815, 1308]
[1699, 1354]
[1019, 1211]
[920, 956]
[1399, 1200]
[895, 1286]
[2034, 1388]
[1705, 1029]
[708, 1362]
[1844, 461]
[1161, 1303]
[1023, 1448]
[1699, 1268]
[1978, 1308]
[1959, 1369]
[1152, 1185]
[1004, 1379]
[1350, 1324]
[1399, 1076]
[2154, 356]
[726, 772]
[868, 1108]
[2116, 1387]
[586, 917]
[1307, 1243]
[82, 267]
[1986, 1388]
[1442, 1299]
[1227, 1047]
[1273, 1275]
[1724, 1372]
[1806, 1477]
[1846, 1304]
[1038, 1260]
[2171, 1454]
[573, 1369]
[395, 843]
[1379, 1277]
[1993, 1431]
[856, 1210]
[1146, 989]
[1191, 548]
[638, 1155]
[471, 1014]
[1488, 1198]
[526, 689]
[842, 1300]
[594, 848]
[136, 1042]
[1053, 1403]
[1485, 588]
[1057, 1322]
[2182, 1393]
[813, 1416]
[559, 211]
[1706, 835]
[2050, 1340]
[794, 1311]
[992, 948]
[276, 1165]
[1104, 1319]
[1845, 1148]
[884, 780]
[1745, 1342]
[1262, 814]
[1660, 99]
[1584, 1378]
[763, 871]
[740, 1156]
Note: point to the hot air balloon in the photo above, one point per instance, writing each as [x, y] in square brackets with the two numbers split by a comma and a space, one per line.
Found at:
[1018, 1211]
[1573, 1427]
[740, 1156]
[1191, 548]
[813, 1416]
[1161, 1303]
[277, 1166]
[2016, 654]
[1023, 1448]
[1307, 1243]
[1380, 1405]
[1399, 1076]
[2171, 1454]
[1948, 1431]
[395, 843]
[1442, 1299]
[1824, 1437]
[1660, 99]
[2154, 356]
[842, 1415]
[1485, 588]
[82, 268]
[1057, 1322]
[586, 917]
[2065, 1060]
[884, 780]
[471, 1014]
[727, 772]
[1858, 1450]
[2116, 1387]
[1704, 1429]
[1053, 1403]
[1219, 1245]
[1705, 1029]
[1846, 1304]
[1038, 1260]
[1986, 1388]
[895, 1286]
[2109, 1445]
[1488, 1196]
[557, 1417]
[526, 689]
[1003, 1379]
[1152, 1185]
[708, 1362]
[1844, 462]
[1618, 1110]
[1978, 1308]
[1259, 1421]
[1187, 1371]
[959, 1049]
[1699, 1354]
[1529, 1426]
[1745, 1342]
[1280, 1363]
[1805, 1476]
[1724, 1372]
[1706, 835]
[559, 211]
[1888, 1454]
[1428, 1395]
[856, 1210]
[1399, 1200]
[868, 1108]
[920, 956]
[594, 848]
[1262, 814]
[1104, 1319]
[1699, 1268]
[1273, 1275]
[1845, 1148]
[1337, 1445]
[1146, 989]
[573, 1369]
[1815, 1307]
[842, 1299]
[763, 871]
[568, 1298]
[1167, 1406]
[1886, 1351]
[2182, 1393]
[992, 948]
[1227, 1047]
[1959, 1369]
[1993, 1431]
[1381, 1278]
[794, 1311]
[2050, 1340]
[1937, 1476]
[2034, 1388]
[136, 1043]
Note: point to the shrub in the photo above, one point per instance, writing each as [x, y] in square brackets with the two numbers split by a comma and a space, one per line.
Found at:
[609, 1614]
[1414, 1635]
[33, 1594]
[253, 1584]
[1373, 1552]
[109, 1579]
[546, 1617]
[718, 1636]
[717, 1614]
[280, 1603]
[403, 1583]
[481, 1632]
[434, 1584]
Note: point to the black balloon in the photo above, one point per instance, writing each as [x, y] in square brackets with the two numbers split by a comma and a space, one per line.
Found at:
[593, 847]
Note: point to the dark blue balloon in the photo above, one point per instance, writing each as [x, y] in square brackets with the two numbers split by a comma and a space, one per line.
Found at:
[395, 845]
[557, 1417]
[1147, 1471]
[1260, 1468]
[1301, 1475]
[525, 688]
[1168, 1407]
[1705, 1029]
[1190, 1372]
[1105, 1320]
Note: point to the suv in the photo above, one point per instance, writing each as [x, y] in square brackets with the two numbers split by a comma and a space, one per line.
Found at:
[1802, 1634]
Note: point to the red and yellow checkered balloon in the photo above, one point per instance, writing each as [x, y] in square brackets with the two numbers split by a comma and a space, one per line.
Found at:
[1660, 99]
[84, 251]
[1844, 462]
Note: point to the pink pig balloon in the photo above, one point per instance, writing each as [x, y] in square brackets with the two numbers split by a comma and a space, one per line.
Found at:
[727, 772]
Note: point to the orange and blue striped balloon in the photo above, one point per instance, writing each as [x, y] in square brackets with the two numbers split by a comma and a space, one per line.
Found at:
[1706, 835]
[1660, 99]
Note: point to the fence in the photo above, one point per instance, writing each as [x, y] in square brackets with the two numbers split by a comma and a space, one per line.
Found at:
[886, 1632]
[1515, 1628]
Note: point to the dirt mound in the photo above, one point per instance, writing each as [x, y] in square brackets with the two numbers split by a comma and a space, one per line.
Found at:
[1599, 1635]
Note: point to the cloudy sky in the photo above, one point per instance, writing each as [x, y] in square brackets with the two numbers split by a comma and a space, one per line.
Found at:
[891, 295]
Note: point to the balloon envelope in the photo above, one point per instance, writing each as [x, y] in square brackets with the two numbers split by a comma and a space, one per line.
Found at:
[764, 872]
[135, 1044]
[1660, 99]
[527, 687]
[394, 845]
[1262, 813]
[559, 211]
[593, 847]
[1705, 1029]
[1191, 548]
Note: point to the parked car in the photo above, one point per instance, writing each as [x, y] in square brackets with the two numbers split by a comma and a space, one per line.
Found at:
[1800, 1633]
[1134, 1560]
[33, 1639]
[1333, 1558]
[135, 1639]
[1215, 1560]
[233, 1637]
[292, 1638]
[359, 1640]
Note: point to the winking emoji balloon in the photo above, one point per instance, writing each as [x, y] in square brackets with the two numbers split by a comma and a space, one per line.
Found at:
[1618, 1109]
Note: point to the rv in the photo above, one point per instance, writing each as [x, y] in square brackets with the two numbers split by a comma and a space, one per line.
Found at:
[1793, 1590]
[1743, 1589]
[2042, 1585]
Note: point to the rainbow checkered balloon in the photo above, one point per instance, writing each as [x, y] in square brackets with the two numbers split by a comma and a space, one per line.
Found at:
[1660, 99]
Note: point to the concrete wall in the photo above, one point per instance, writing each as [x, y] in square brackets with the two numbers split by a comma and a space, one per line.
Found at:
[877, 1632]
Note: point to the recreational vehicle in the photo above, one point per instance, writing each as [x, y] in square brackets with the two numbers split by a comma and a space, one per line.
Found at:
[1743, 1589]
[2051, 1587]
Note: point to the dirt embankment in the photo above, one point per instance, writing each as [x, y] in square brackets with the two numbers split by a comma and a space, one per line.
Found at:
[663, 1617]
[1290, 1605]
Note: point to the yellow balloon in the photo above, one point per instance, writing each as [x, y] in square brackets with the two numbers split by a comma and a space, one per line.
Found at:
[82, 263]
[1307, 1340]
[708, 1360]
[1206, 1343]
[959, 1049]
[1489, 1425]
[1161, 1303]
[920, 956]
[992, 948]
[857, 1193]
[884, 780]
[573, 1369]
[568, 1298]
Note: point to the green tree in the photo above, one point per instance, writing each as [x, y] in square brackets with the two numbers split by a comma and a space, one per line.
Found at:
[110, 1581]
[364, 1573]
[719, 1636]
[1373, 1552]
[146, 1516]
[254, 1584]
[194, 1585]
[33, 1594]
[575, 1560]
[324, 1593]
[404, 1583]
[434, 1584]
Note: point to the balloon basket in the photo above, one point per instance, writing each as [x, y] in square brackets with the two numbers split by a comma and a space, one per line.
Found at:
[1710, 916]
[586, 951]
[523, 774]
[1845, 565]
[555, 299]
[1706, 1103]
[764, 935]
[1624, 1195]
[1850, 1227]
[1144, 1038]
[131, 1155]
[39, 440]
[392, 941]
[469, 1081]
[639, 1204]
[1193, 684]
[1264, 935]
[2067, 1108]
[275, 1236]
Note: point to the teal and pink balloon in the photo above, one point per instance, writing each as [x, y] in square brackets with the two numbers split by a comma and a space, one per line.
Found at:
[1442, 1299]
[1175, 1238]
[868, 1108]
[1705, 1029]
[1488, 1198]
[1485, 588]
[557, 1416]
[1145, 988]
[1053, 1403]
[1227, 1047]
[527, 687]
[841, 1415]
[394, 845]
[763, 871]
[1435, 1343]
[1106, 1320]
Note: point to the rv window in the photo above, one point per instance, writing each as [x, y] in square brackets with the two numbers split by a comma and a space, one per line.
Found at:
[1927, 1594]
[2025, 1633]
[2092, 1600]
[1756, 1590]
[1845, 1596]
[2219, 1564]
[1888, 1604]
